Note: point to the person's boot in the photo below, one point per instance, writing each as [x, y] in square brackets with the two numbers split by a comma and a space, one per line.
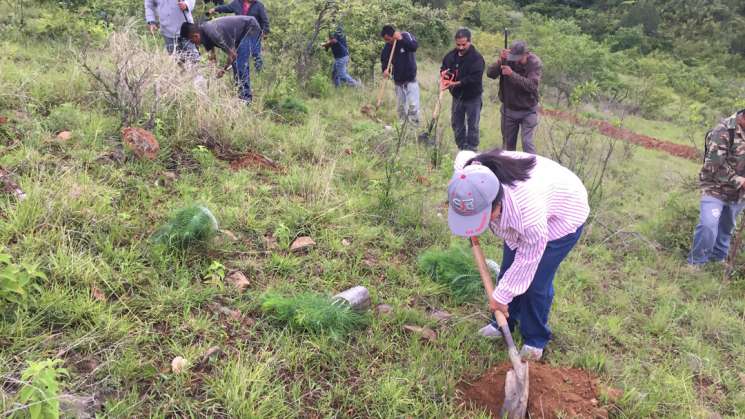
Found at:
[490, 332]
[531, 353]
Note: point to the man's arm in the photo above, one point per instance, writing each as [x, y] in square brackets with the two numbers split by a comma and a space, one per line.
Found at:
[223, 8]
[531, 82]
[494, 70]
[330, 42]
[408, 42]
[263, 18]
[150, 16]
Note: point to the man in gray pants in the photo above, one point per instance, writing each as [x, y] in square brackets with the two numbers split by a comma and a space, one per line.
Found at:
[519, 72]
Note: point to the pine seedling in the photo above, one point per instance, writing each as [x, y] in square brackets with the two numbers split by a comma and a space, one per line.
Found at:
[191, 225]
[313, 313]
[455, 269]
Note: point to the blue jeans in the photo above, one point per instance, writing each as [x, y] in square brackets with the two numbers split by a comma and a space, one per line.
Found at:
[340, 75]
[242, 67]
[256, 53]
[530, 310]
[714, 230]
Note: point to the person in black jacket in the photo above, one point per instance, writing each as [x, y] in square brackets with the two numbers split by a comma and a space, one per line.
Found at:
[255, 9]
[462, 72]
[404, 71]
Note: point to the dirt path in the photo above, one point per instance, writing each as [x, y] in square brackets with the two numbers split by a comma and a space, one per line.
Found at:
[608, 129]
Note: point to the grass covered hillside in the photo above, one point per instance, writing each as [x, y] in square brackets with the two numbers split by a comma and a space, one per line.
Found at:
[102, 315]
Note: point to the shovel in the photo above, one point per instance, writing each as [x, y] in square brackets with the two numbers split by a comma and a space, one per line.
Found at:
[367, 109]
[516, 384]
[426, 137]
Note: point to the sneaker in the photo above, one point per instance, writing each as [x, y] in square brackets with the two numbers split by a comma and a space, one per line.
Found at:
[490, 332]
[530, 353]
[493, 267]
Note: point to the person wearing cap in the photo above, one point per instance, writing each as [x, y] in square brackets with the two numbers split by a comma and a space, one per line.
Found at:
[167, 17]
[519, 72]
[404, 71]
[539, 208]
[722, 180]
[338, 43]
[462, 72]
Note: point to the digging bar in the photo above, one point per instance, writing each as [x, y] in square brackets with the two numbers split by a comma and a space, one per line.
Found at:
[516, 383]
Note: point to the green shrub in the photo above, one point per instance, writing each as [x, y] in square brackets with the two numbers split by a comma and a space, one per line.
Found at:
[66, 116]
[310, 312]
[455, 269]
[189, 226]
[289, 110]
[673, 227]
[40, 392]
[319, 86]
[16, 281]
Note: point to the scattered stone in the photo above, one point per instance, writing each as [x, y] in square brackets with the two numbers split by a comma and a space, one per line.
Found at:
[64, 135]
[346, 243]
[424, 332]
[383, 309]
[302, 244]
[613, 394]
[238, 280]
[348, 151]
[80, 407]
[170, 176]
[230, 235]
[440, 315]
[226, 311]
[388, 128]
[98, 295]
[179, 364]
[141, 142]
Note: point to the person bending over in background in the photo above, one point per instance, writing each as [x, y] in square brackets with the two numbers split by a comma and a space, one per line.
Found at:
[338, 44]
[462, 72]
[539, 208]
[404, 71]
[255, 9]
[234, 35]
[519, 72]
[722, 179]
[169, 15]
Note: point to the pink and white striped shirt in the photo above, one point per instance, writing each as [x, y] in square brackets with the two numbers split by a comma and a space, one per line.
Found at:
[549, 205]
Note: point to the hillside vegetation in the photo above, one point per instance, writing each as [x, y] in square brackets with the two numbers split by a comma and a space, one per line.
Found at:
[94, 307]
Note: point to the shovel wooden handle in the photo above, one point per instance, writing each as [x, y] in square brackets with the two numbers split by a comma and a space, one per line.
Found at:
[382, 83]
[489, 287]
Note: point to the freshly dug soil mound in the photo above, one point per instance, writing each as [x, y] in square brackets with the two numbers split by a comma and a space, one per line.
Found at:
[254, 160]
[554, 392]
[141, 142]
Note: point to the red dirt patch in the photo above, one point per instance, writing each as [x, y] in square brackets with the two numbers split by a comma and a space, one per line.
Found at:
[554, 392]
[610, 130]
[141, 142]
[251, 160]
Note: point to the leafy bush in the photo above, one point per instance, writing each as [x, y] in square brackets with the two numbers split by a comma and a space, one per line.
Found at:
[16, 281]
[314, 313]
[674, 224]
[319, 86]
[290, 110]
[40, 392]
[192, 225]
[455, 269]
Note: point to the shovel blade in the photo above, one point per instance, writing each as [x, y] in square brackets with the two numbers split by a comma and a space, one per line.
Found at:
[516, 393]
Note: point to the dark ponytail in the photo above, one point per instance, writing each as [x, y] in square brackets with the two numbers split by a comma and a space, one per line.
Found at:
[508, 170]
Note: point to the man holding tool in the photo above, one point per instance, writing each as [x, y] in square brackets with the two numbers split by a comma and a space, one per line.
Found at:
[462, 72]
[338, 43]
[402, 58]
[723, 191]
[519, 71]
[168, 15]
[255, 9]
[539, 208]
[235, 36]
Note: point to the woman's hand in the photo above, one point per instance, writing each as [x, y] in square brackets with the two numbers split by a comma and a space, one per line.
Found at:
[497, 306]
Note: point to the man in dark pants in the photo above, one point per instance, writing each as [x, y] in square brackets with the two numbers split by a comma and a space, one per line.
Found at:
[255, 9]
[519, 71]
[234, 35]
[462, 72]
